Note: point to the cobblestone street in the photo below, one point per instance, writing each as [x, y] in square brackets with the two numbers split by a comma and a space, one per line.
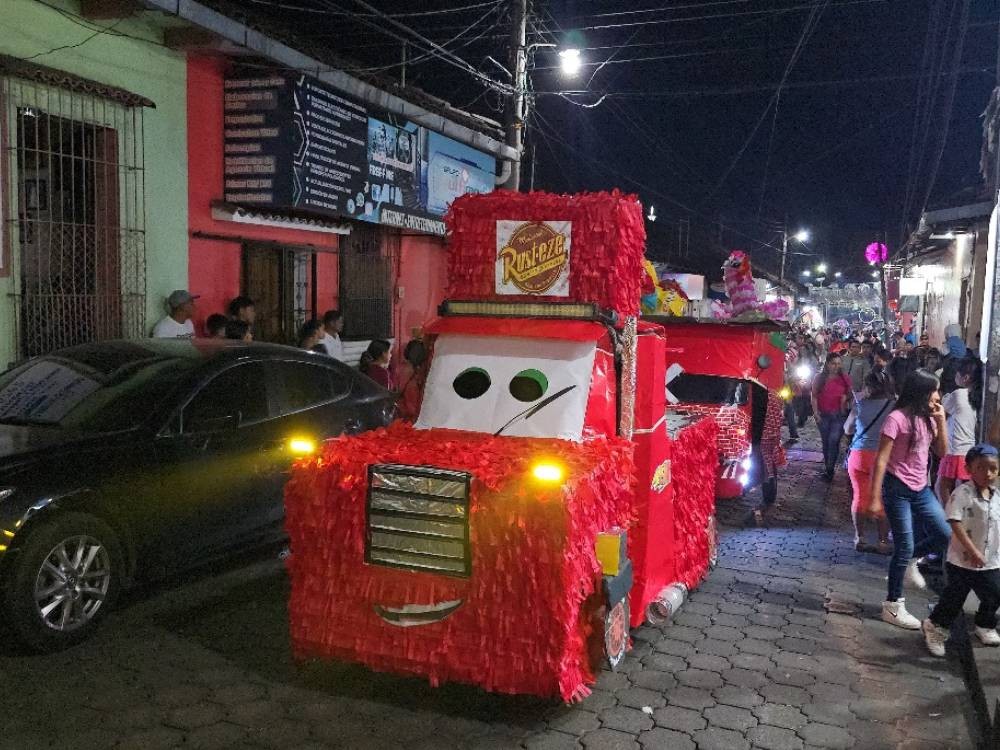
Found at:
[780, 649]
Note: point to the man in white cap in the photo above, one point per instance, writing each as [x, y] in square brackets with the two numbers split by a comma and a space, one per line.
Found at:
[178, 324]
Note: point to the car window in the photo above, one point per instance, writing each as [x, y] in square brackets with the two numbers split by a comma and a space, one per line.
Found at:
[302, 385]
[236, 396]
[689, 388]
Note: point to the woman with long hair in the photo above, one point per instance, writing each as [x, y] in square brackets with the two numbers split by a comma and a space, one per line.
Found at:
[831, 394]
[870, 412]
[375, 363]
[900, 485]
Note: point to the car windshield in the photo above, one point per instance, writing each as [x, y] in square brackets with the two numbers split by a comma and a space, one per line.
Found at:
[77, 393]
[688, 388]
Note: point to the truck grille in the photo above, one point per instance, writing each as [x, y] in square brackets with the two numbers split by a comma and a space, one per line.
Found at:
[418, 518]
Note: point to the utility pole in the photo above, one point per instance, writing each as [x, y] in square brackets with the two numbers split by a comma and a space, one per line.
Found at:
[784, 251]
[402, 68]
[514, 116]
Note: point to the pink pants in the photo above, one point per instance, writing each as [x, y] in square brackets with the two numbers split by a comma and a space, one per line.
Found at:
[860, 465]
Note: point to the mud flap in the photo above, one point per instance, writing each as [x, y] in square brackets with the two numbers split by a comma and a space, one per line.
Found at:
[616, 619]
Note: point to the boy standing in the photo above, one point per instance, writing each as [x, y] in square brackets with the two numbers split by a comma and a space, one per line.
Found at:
[973, 562]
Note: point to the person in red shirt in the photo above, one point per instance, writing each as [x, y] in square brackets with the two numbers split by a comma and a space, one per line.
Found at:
[375, 363]
[831, 393]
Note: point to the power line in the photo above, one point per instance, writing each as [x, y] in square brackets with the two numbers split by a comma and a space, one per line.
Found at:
[412, 14]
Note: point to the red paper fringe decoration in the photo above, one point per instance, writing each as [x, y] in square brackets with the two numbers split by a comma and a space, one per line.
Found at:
[522, 626]
[606, 255]
[693, 463]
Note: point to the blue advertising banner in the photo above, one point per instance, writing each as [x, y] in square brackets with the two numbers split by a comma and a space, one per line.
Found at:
[297, 143]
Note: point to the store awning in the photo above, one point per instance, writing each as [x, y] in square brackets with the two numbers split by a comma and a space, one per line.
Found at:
[267, 217]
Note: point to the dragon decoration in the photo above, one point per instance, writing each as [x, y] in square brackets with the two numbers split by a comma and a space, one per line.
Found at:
[743, 305]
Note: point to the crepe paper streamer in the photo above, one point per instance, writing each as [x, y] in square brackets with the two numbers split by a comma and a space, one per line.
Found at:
[876, 252]
[608, 244]
[694, 462]
[531, 603]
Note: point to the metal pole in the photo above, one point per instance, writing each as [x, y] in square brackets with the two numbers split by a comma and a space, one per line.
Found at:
[784, 251]
[402, 68]
[514, 116]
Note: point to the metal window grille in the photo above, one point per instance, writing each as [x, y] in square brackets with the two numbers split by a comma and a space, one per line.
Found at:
[72, 181]
[367, 256]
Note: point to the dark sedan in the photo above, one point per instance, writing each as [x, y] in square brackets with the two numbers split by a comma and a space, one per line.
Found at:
[126, 461]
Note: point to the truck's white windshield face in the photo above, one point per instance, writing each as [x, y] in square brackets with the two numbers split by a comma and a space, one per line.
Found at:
[480, 383]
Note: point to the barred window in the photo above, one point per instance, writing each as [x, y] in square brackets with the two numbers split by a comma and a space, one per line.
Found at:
[73, 207]
[367, 256]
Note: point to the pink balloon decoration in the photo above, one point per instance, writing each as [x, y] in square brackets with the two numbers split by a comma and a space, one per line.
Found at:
[876, 252]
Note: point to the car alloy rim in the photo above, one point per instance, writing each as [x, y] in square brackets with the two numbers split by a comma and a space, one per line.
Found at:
[72, 583]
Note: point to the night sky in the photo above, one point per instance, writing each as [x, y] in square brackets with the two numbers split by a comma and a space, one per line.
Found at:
[871, 79]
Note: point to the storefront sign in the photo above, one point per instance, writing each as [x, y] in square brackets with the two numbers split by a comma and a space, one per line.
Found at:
[533, 257]
[298, 143]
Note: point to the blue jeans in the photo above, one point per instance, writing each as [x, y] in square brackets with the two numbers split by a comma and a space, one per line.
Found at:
[910, 512]
[831, 430]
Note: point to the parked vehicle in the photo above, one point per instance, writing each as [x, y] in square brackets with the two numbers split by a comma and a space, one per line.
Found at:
[125, 461]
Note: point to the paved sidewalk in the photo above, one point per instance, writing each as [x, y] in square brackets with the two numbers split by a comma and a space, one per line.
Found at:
[780, 649]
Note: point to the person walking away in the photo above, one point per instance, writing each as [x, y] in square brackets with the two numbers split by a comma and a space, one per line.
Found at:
[857, 367]
[333, 326]
[961, 421]
[178, 324]
[375, 363]
[309, 336]
[831, 393]
[239, 330]
[955, 352]
[215, 326]
[973, 562]
[870, 412]
[914, 427]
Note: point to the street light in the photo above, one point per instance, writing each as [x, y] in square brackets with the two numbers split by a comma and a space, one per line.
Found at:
[875, 274]
[569, 61]
[652, 213]
[837, 275]
[821, 268]
[806, 273]
[802, 235]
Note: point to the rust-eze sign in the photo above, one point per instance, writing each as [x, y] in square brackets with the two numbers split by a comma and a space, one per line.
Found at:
[533, 257]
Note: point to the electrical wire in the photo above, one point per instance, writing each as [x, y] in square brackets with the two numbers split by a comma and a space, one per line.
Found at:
[410, 14]
[807, 32]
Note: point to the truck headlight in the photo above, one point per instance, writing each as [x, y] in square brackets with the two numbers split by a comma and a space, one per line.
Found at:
[548, 471]
[804, 372]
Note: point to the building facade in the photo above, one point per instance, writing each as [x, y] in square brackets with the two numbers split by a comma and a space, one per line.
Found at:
[93, 177]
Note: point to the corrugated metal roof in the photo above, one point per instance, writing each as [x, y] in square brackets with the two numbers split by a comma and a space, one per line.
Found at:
[13, 66]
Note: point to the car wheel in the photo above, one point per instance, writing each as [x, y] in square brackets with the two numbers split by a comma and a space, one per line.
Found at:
[63, 582]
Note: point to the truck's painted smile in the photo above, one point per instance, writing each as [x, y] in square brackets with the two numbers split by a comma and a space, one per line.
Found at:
[411, 615]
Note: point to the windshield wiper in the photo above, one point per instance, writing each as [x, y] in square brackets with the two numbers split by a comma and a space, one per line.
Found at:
[28, 422]
[531, 411]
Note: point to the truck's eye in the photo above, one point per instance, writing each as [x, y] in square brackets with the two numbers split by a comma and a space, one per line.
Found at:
[528, 385]
[471, 383]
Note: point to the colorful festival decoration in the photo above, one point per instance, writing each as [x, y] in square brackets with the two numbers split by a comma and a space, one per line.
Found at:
[497, 540]
[743, 303]
[876, 252]
[661, 297]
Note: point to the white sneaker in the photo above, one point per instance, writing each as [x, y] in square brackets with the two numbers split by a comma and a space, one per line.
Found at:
[895, 613]
[988, 636]
[913, 577]
[935, 637]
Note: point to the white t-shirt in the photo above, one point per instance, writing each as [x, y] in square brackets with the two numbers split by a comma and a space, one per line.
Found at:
[981, 520]
[333, 345]
[961, 422]
[168, 328]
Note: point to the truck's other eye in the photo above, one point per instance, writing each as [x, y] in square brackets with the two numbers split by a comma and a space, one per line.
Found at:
[471, 383]
[528, 385]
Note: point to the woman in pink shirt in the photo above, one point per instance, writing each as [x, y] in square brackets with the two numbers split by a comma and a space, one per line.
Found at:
[900, 485]
[831, 393]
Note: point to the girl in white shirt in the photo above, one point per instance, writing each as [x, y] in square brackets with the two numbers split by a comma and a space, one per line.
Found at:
[961, 434]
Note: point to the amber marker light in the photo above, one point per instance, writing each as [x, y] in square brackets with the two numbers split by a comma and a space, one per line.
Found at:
[785, 393]
[300, 446]
[547, 471]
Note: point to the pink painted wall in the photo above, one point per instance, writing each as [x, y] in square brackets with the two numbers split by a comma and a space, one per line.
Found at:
[214, 265]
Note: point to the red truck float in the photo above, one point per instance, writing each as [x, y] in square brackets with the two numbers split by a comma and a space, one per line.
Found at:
[734, 373]
[544, 501]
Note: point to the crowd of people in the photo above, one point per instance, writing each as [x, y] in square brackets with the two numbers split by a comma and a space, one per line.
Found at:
[320, 335]
[919, 479]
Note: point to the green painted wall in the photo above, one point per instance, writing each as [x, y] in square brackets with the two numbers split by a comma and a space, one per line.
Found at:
[150, 70]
